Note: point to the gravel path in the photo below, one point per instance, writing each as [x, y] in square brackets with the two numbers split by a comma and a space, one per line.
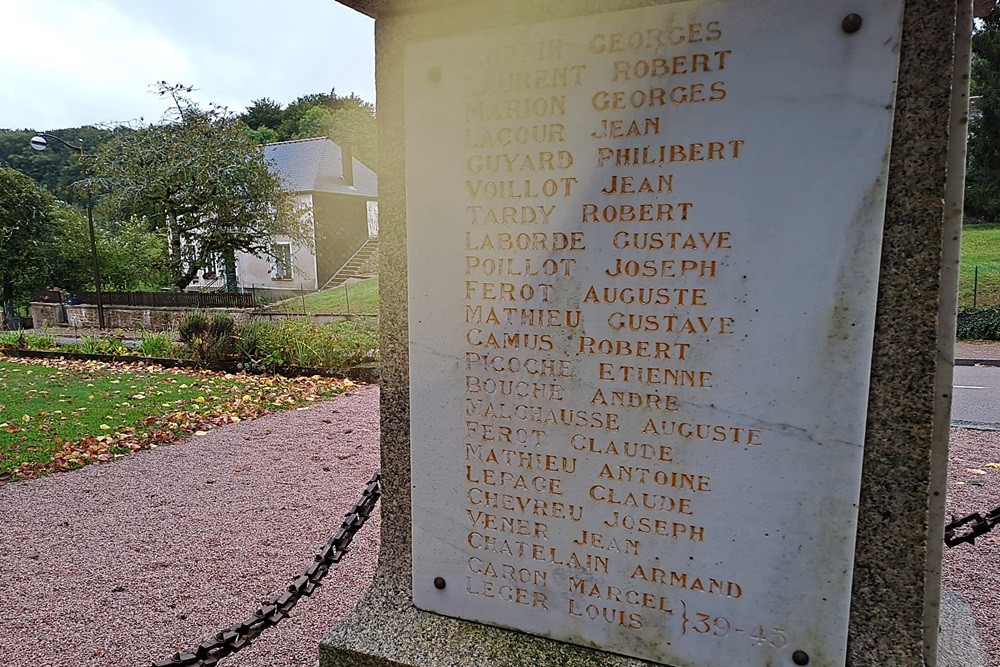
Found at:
[973, 571]
[124, 564]
[977, 349]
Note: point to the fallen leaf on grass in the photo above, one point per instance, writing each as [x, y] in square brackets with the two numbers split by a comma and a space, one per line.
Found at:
[995, 466]
[253, 397]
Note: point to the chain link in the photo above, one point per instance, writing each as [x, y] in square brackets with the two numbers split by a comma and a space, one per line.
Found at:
[276, 609]
[971, 527]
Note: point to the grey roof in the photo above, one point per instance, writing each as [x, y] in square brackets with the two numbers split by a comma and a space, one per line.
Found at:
[314, 165]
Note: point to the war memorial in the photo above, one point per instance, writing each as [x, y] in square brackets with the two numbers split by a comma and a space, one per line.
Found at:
[670, 383]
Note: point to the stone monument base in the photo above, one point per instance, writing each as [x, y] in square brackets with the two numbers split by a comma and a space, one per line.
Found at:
[386, 630]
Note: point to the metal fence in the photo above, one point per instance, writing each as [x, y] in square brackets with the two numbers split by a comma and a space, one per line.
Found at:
[171, 299]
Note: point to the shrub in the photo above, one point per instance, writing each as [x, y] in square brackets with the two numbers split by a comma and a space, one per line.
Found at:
[979, 323]
[207, 337]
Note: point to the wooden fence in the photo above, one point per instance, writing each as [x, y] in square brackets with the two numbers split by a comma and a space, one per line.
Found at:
[171, 299]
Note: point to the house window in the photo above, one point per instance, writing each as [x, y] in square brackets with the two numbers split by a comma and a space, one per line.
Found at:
[282, 261]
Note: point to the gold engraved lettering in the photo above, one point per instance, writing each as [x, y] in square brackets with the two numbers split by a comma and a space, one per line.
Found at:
[517, 458]
[505, 524]
[656, 575]
[643, 500]
[556, 368]
[646, 98]
[628, 70]
[672, 324]
[641, 524]
[647, 296]
[623, 448]
[622, 129]
[488, 410]
[506, 83]
[515, 109]
[507, 572]
[514, 481]
[640, 349]
[736, 435]
[538, 552]
[503, 434]
[509, 341]
[518, 135]
[510, 215]
[505, 592]
[711, 151]
[663, 268]
[503, 291]
[515, 53]
[531, 241]
[594, 540]
[523, 267]
[539, 391]
[626, 185]
[523, 504]
[704, 241]
[510, 163]
[654, 375]
[627, 213]
[614, 594]
[610, 615]
[521, 189]
[673, 479]
[634, 399]
[655, 38]
[525, 317]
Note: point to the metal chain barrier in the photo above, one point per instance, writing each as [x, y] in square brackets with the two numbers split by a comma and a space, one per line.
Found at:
[273, 611]
[968, 528]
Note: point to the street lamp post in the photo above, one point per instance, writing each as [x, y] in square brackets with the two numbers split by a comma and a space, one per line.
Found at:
[39, 143]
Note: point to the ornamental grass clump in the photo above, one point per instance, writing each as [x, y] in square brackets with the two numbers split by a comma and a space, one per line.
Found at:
[303, 343]
[154, 344]
[24, 340]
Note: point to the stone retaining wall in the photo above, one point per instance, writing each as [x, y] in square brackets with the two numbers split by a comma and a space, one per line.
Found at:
[84, 316]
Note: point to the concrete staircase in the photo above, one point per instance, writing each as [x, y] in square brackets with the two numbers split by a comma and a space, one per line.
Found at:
[356, 265]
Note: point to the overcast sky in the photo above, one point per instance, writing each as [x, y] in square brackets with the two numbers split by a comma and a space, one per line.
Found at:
[66, 63]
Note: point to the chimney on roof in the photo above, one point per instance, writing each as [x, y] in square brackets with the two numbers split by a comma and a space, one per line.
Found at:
[348, 159]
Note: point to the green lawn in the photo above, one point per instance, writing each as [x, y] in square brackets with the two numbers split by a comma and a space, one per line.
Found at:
[360, 298]
[980, 247]
[58, 415]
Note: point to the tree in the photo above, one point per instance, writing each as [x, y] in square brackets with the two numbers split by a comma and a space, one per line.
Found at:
[26, 228]
[199, 177]
[53, 169]
[131, 257]
[263, 112]
[982, 191]
[352, 124]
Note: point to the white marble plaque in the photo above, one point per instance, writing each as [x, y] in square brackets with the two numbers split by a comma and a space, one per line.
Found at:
[643, 259]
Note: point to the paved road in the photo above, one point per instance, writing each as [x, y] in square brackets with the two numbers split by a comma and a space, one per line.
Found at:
[976, 399]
